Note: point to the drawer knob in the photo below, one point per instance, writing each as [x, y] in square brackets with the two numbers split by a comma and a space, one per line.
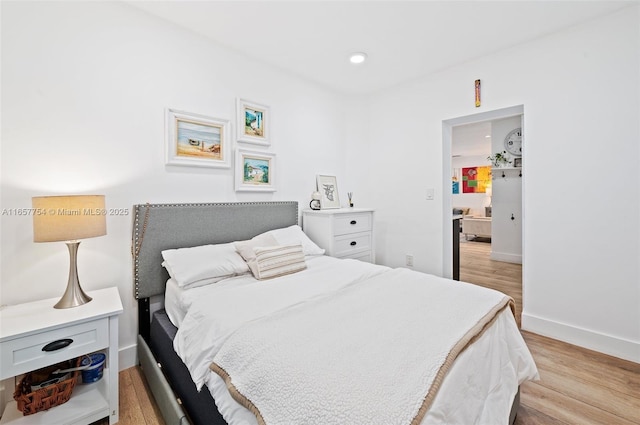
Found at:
[353, 243]
[57, 345]
[353, 222]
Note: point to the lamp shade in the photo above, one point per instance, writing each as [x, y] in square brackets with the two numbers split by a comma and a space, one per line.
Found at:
[68, 218]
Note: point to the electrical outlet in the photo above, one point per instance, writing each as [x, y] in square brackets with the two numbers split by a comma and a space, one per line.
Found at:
[409, 260]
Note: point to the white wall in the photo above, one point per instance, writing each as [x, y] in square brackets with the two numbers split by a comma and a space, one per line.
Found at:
[506, 233]
[580, 91]
[84, 89]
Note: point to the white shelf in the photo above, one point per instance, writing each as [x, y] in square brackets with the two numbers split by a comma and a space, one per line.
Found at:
[87, 404]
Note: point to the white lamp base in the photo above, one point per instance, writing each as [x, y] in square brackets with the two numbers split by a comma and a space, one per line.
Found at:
[73, 296]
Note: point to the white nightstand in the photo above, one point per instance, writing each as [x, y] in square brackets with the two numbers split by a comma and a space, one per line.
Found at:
[343, 233]
[26, 328]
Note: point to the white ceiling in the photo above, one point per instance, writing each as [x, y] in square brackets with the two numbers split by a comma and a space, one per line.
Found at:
[471, 139]
[403, 39]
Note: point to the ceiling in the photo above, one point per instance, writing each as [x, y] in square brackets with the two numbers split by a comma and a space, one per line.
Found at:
[471, 139]
[404, 40]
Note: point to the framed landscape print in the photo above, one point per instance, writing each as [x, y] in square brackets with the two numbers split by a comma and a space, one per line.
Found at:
[328, 188]
[253, 123]
[197, 140]
[255, 171]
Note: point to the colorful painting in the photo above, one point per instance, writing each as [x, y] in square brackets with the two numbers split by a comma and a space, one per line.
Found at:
[253, 122]
[255, 170]
[476, 179]
[455, 182]
[196, 140]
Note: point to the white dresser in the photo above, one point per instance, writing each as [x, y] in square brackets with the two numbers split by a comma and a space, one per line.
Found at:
[343, 233]
[26, 332]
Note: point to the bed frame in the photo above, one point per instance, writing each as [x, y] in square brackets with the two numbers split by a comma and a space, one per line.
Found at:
[157, 227]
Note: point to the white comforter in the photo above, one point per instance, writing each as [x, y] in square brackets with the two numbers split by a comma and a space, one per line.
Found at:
[478, 389]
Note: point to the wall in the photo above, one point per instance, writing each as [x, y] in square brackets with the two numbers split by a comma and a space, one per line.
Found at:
[580, 91]
[84, 91]
[506, 233]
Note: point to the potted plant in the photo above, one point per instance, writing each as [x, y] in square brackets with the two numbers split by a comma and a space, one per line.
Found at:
[499, 159]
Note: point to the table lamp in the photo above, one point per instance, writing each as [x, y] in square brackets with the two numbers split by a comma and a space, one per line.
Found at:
[69, 218]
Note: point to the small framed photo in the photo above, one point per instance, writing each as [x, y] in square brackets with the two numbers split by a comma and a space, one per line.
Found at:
[197, 140]
[253, 122]
[517, 162]
[328, 188]
[255, 171]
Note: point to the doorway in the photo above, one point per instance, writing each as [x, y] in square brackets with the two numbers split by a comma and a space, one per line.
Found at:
[496, 262]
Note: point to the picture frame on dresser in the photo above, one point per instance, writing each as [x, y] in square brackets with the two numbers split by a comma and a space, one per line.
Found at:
[328, 188]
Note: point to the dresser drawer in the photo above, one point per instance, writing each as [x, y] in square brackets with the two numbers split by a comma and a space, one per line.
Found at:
[347, 245]
[26, 353]
[351, 223]
[362, 256]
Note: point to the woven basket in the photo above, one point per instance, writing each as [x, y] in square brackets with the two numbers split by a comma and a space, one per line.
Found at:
[33, 401]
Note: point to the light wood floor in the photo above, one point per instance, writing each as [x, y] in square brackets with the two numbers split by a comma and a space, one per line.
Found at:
[577, 386]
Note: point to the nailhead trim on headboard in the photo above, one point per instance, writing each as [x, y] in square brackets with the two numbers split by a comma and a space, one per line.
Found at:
[180, 222]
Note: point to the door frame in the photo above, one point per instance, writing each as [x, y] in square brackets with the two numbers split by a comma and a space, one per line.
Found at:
[447, 213]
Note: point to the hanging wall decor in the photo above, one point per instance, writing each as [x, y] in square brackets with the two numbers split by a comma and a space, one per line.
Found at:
[253, 122]
[255, 171]
[475, 179]
[197, 140]
[477, 90]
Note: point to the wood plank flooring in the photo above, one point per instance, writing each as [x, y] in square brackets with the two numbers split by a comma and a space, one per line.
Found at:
[577, 386]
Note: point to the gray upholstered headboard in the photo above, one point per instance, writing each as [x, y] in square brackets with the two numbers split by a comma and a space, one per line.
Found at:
[157, 227]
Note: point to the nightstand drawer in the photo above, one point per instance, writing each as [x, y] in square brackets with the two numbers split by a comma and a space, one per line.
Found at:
[26, 353]
[352, 223]
[349, 244]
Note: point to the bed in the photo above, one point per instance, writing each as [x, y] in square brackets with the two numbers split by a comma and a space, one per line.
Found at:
[195, 395]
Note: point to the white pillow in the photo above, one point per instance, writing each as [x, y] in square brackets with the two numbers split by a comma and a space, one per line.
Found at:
[208, 263]
[246, 248]
[294, 235]
[275, 261]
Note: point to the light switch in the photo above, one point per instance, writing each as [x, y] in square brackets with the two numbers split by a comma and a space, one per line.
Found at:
[430, 194]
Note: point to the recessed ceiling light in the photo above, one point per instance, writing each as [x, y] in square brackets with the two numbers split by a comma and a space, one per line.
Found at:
[488, 136]
[357, 57]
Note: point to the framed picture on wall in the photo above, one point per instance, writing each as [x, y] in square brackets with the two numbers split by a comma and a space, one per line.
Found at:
[255, 171]
[197, 140]
[253, 122]
[328, 188]
[517, 162]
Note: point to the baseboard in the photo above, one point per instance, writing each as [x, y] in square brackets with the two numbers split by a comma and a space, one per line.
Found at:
[607, 344]
[127, 357]
[507, 258]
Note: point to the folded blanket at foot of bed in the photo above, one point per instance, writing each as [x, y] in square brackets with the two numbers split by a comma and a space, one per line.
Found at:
[373, 352]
